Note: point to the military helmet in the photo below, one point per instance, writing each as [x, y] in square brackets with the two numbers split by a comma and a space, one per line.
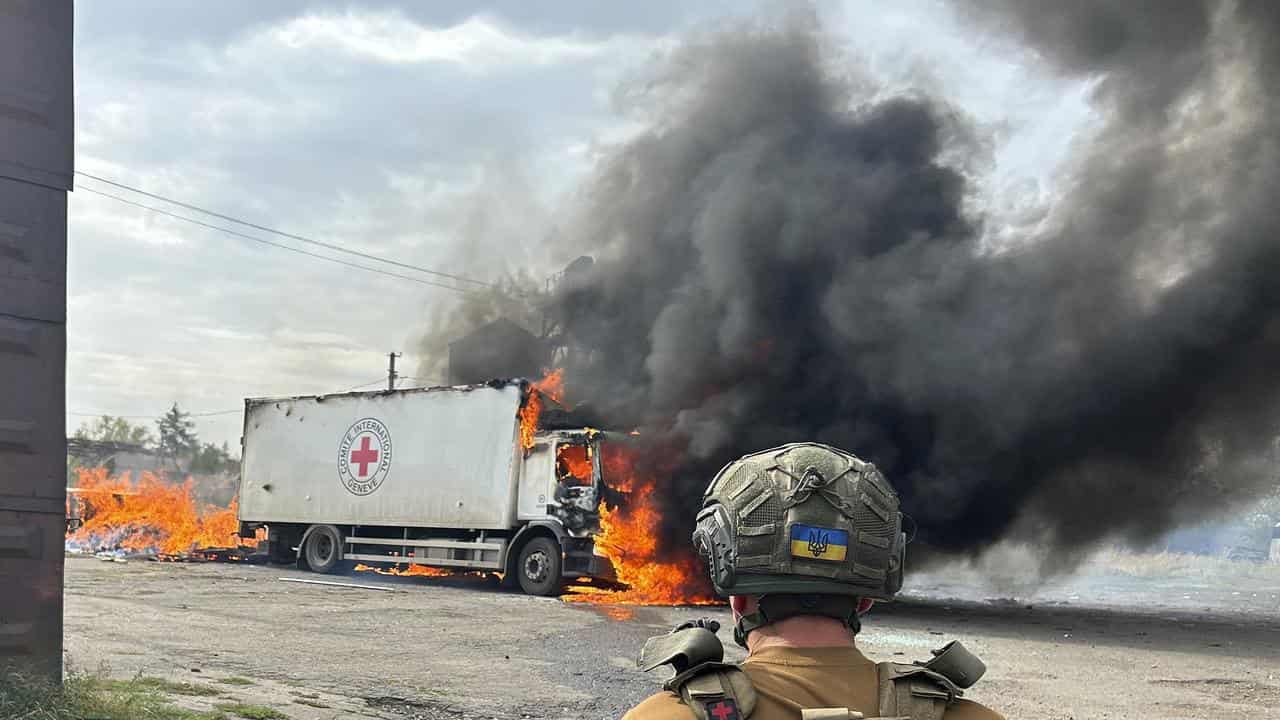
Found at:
[802, 519]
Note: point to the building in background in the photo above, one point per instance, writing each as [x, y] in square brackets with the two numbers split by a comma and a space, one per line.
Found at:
[36, 164]
[501, 349]
[116, 457]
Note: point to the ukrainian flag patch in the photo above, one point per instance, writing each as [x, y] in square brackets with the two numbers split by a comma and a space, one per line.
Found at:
[819, 543]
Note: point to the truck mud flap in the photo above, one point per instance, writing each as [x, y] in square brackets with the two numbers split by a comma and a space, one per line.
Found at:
[576, 566]
[580, 560]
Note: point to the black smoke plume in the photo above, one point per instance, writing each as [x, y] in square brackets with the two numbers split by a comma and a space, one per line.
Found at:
[789, 253]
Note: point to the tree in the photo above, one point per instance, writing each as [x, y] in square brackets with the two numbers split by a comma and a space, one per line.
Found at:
[109, 431]
[113, 430]
[177, 435]
[211, 459]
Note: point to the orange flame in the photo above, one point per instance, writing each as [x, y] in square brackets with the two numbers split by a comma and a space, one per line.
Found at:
[151, 514]
[629, 534]
[629, 539]
[552, 386]
[414, 569]
[573, 462]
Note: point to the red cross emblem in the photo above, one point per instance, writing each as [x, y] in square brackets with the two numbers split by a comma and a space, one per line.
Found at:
[723, 710]
[364, 456]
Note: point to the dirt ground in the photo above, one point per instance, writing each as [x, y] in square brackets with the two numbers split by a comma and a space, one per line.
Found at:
[1107, 646]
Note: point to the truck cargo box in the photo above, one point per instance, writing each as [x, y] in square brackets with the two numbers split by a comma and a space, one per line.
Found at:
[441, 457]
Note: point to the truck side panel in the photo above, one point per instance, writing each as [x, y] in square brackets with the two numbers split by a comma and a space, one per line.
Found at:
[444, 457]
[537, 482]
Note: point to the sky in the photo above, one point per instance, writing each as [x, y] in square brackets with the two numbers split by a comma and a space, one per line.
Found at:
[447, 135]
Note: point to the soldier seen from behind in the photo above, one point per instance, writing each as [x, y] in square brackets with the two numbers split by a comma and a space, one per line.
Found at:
[802, 539]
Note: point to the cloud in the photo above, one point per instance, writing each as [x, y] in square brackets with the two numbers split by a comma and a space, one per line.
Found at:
[385, 131]
[406, 132]
[477, 44]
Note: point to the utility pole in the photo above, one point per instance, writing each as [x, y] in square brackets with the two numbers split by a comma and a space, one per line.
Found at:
[391, 370]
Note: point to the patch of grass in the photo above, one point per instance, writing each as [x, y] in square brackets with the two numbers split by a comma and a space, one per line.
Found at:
[82, 697]
[236, 681]
[254, 712]
[160, 685]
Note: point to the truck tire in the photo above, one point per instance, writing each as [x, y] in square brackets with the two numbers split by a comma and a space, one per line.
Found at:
[321, 551]
[538, 569]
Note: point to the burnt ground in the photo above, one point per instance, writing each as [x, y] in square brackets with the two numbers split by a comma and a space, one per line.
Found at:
[463, 648]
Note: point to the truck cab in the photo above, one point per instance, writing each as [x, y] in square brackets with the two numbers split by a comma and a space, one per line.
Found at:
[560, 489]
[560, 480]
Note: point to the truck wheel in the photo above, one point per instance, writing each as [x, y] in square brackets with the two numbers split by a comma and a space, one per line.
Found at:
[539, 567]
[322, 550]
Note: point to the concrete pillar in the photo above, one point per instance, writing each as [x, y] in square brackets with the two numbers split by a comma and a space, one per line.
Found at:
[36, 151]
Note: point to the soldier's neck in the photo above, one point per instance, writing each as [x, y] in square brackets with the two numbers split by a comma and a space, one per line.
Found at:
[801, 632]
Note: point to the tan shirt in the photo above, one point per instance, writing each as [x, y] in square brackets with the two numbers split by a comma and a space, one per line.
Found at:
[789, 679]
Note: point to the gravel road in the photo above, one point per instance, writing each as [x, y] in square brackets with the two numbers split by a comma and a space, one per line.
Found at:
[461, 647]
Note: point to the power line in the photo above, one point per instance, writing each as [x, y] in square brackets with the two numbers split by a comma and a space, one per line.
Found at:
[269, 242]
[291, 236]
[152, 417]
[198, 414]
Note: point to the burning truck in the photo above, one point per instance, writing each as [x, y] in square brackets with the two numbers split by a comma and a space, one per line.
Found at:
[461, 478]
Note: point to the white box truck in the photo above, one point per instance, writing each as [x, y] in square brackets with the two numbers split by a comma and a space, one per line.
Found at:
[429, 476]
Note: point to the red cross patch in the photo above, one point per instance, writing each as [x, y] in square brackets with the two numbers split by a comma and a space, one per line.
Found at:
[723, 710]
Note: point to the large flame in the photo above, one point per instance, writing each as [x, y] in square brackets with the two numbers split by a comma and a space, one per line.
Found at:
[552, 386]
[630, 533]
[629, 538]
[150, 515]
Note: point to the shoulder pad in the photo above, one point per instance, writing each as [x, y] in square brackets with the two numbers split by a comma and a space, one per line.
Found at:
[924, 688]
[921, 681]
[954, 662]
[682, 648]
[715, 691]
